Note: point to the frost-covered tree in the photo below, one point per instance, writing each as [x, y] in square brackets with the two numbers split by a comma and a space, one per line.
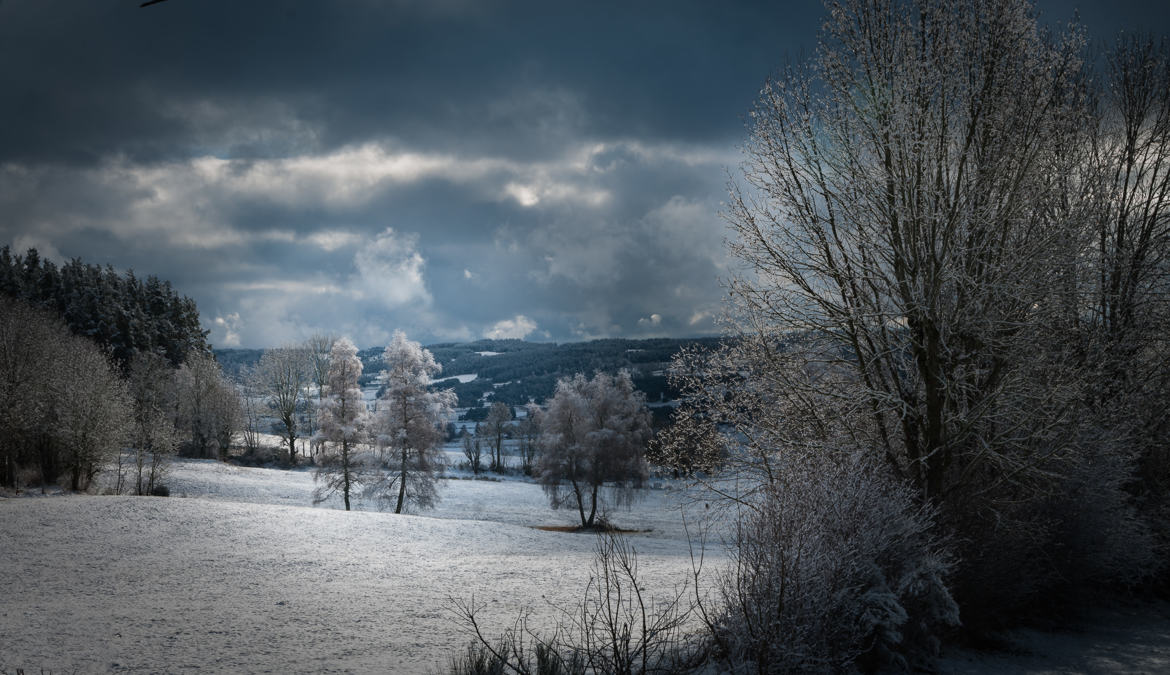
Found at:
[923, 225]
[93, 412]
[409, 423]
[593, 434]
[282, 375]
[495, 427]
[342, 425]
[153, 438]
[895, 217]
[473, 451]
[30, 342]
[209, 407]
[1120, 316]
[319, 347]
[64, 412]
[529, 431]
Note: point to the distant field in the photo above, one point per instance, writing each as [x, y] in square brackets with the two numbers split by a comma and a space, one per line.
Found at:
[243, 575]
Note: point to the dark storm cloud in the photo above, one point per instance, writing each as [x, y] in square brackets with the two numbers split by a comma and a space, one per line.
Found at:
[102, 78]
[456, 169]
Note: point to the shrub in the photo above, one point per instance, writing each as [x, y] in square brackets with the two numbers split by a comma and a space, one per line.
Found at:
[834, 567]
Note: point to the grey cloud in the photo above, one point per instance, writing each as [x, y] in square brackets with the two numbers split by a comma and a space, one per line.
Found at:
[548, 166]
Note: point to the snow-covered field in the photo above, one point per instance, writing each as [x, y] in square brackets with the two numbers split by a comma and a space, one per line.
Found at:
[238, 572]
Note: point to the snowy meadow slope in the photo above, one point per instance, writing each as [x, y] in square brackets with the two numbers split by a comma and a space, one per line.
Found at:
[214, 582]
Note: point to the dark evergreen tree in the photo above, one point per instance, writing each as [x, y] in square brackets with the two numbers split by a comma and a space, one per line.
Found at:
[122, 313]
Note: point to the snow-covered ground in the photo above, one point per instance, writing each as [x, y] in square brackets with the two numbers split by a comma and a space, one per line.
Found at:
[512, 500]
[238, 572]
[462, 379]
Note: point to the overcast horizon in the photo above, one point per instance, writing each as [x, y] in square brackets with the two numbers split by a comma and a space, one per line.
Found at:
[458, 170]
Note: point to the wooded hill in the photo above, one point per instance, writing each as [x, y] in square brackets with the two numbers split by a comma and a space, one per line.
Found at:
[515, 371]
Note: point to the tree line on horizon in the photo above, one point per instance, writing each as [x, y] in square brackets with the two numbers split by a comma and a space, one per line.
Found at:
[121, 313]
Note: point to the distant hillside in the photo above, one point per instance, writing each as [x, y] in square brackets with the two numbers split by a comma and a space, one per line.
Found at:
[515, 372]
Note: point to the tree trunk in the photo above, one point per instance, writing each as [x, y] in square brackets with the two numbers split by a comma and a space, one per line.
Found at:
[401, 484]
[345, 471]
[580, 503]
[592, 507]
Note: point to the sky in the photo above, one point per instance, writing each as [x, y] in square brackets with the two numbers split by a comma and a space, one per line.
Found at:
[456, 169]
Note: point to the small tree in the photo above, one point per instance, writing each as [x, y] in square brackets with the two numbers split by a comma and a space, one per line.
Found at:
[495, 428]
[342, 424]
[209, 406]
[319, 347]
[594, 434]
[282, 375]
[409, 423]
[529, 432]
[153, 391]
[473, 451]
[93, 414]
[251, 412]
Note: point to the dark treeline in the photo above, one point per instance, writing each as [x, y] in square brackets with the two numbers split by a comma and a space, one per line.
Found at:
[123, 314]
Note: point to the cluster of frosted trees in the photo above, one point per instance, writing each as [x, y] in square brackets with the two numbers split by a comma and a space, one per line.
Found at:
[592, 436]
[68, 411]
[392, 453]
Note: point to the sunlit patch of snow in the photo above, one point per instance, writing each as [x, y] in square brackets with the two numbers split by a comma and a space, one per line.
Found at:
[463, 379]
[243, 575]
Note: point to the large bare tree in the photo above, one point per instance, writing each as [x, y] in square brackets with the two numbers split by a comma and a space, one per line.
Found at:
[941, 240]
[894, 228]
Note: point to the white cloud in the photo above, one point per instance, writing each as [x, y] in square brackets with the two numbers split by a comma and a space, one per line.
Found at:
[44, 247]
[390, 270]
[699, 317]
[226, 330]
[289, 287]
[525, 195]
[331, 240]
[566, 190]
[516, 328]
[652, 320]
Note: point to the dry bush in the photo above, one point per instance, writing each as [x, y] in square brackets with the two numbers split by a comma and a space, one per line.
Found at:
[615, 628]
[834, 568]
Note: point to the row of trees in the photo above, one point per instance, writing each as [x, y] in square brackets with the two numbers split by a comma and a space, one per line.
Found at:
[121, 313]
[67, 411]
[392, 453]
[587, 449]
